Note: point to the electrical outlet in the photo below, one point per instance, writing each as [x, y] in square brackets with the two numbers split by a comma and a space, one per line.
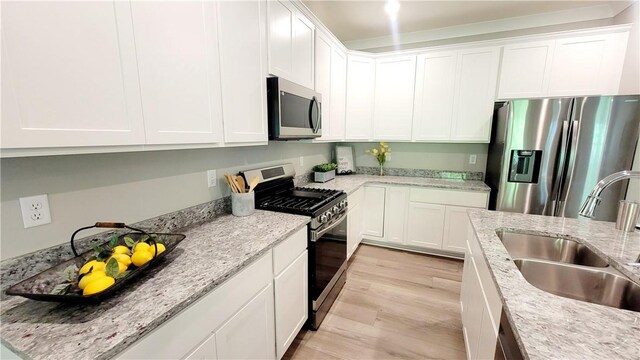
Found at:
[473, 158]
[301, 160]
[212, 179]
[35, 210]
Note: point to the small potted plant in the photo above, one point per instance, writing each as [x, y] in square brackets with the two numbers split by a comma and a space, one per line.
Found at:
[324, 172]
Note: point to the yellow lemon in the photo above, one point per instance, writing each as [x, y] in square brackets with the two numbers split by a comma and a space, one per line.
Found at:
[140, 258]
[141, 246]
[90, 277]
[123, 259]
[121, 249]
[160, 247]
[98, 284]
[92, 265]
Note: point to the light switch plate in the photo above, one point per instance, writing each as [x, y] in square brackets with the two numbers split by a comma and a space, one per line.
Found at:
[35, 210]
[212, 179]
[473, 158]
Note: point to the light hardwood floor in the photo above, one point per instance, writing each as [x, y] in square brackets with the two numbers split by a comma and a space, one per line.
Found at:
[395, 304]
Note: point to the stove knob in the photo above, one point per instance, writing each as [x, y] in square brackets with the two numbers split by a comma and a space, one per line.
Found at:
[336, 209]
[343, 204]
[323, 218]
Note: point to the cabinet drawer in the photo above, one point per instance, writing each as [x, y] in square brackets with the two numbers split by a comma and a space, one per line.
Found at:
[175, 338]
[449, 197]
[287, 251]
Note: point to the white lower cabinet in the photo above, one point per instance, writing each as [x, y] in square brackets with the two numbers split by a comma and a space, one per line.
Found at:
[206, 350]
[291, 302]
[253, 315]
[373, 222]
[355, 216]
[480, 304]
[425, 225]
[249, 334]
[415, 217]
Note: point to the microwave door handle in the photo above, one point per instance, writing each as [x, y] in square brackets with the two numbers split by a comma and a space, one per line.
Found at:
[315, 126]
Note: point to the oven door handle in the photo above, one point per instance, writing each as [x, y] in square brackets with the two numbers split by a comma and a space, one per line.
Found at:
[317, 235]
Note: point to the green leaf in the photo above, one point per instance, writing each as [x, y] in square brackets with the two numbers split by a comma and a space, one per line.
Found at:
[153, 235]
[103, 255]
[114, 241]
[61, 289]
[112, 268]
[122, 274]
[129, 241]
[70, 273]
[143, 238]
[97, 248]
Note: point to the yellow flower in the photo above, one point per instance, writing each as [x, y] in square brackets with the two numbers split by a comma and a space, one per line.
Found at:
[375, 151]
[368, 151]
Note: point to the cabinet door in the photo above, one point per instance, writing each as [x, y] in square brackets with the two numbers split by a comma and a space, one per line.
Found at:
[488, 337]
[473, 304]
[249, 334]
[338, 93]
[476, 80]
[456, 227]
[177, 49]
[243, 62]
[69, 75]
[303, 34]
[525, 70]
[396, 214]
[433, 109]
[374, 198]
[292, 300]
[425, 224]
[323, 80]
[281, 17]
[361, 72]
[587, 65]
[393, 100]
[205, 351]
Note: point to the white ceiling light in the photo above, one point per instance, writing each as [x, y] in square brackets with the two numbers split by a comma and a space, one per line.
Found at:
[392, 7]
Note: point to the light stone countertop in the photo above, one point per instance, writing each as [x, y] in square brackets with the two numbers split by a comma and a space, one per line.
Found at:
[351, 183]
[553, 327]
[211, 253]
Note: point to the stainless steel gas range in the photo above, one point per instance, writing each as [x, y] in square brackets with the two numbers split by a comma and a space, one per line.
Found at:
[327, 231]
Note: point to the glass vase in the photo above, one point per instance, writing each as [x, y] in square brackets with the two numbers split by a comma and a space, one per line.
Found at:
[381, 170]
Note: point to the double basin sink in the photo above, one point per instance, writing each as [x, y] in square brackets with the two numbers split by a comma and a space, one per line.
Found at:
[567, 268]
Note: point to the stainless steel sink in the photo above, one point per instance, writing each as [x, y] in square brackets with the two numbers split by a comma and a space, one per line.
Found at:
[602, 287]
[549, 248]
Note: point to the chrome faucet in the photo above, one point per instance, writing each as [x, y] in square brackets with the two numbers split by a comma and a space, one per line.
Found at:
[592, 201]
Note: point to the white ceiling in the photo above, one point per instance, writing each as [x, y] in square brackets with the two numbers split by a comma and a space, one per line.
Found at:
[352, 21]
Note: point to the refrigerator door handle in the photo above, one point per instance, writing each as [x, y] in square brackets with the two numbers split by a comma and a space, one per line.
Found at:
[557, 186]
[571, 156]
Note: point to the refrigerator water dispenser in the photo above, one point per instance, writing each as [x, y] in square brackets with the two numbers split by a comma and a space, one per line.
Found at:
[525, 166]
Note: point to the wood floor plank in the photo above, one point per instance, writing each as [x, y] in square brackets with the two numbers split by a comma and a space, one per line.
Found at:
[395, 305]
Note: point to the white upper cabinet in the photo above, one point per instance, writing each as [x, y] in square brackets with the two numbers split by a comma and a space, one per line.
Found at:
[291, 37]
[69, 75]
[588, 65]
[572, 66]
[433, 103]
[323, 80]
[393, 100]
[361, 73]
[475, 93]
[177, 48]
[525, 70]
[243, 64]
[338, 93]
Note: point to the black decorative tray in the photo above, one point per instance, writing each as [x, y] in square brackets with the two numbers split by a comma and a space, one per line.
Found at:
[43, 286]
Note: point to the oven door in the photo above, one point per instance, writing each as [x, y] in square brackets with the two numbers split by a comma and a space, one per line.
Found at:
[295, 111]
[328, 258]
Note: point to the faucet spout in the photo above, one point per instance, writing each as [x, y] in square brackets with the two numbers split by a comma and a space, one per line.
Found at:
[593, 200]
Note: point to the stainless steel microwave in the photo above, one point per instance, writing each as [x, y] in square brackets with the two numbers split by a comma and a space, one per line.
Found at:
[295, 112]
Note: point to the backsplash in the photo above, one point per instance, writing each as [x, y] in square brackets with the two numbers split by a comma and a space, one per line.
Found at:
[438, 174]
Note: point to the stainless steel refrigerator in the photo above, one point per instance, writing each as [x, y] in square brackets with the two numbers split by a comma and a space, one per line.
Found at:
[546, 155]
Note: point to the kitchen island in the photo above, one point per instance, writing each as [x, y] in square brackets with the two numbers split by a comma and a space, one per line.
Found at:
[547, 326]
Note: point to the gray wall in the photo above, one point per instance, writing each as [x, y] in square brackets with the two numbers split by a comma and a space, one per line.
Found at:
[125, 187]
[426, 156]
